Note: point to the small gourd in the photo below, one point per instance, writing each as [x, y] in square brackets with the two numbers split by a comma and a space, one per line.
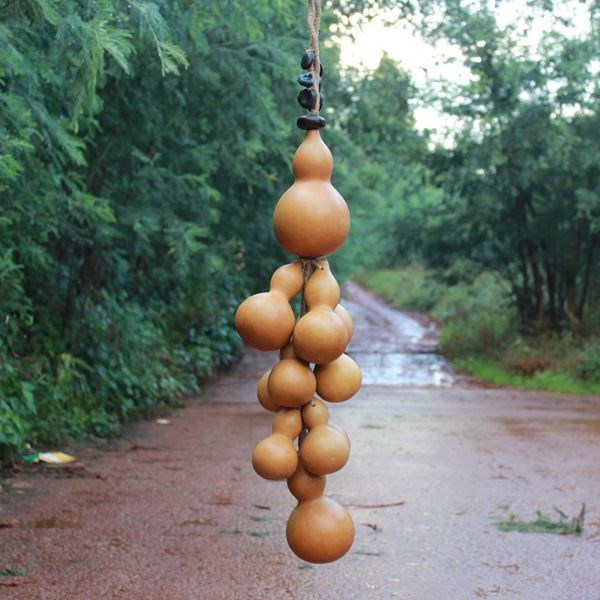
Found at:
[338, 380]
[291, 383]
[275, 457]
[343, 314]
[320, 336]
[262, 393]
[266, 320]
[325, 449]
[304, 485]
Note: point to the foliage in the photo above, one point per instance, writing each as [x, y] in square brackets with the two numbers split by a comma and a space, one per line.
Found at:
[132, 170]
[525, 164]
[410, 288]
[545, 523]
[383, 173]
[589, 367]
[491, 369]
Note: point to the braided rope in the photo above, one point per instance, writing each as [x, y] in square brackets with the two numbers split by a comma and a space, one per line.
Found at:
[314, 20]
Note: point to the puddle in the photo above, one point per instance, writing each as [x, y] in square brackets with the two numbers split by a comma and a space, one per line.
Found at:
[393, 347]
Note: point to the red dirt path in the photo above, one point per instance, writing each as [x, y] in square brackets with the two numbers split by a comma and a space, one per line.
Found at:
[176, 512]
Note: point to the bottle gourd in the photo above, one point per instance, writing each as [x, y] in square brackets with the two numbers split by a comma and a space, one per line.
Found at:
[311, 220]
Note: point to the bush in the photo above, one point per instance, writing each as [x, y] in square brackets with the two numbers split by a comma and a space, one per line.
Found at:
[410, 288]
[475, 317]
[589, 365]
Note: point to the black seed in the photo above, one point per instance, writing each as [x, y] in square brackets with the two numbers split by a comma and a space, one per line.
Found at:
[320, 70]
[306, 98]
[306, 79]
[307, 60]
[321, 102]
[308, 122]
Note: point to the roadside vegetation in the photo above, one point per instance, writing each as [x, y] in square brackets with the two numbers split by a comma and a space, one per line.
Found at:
[543, 523]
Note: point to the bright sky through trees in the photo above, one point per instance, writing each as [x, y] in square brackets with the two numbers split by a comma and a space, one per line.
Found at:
[431, 64]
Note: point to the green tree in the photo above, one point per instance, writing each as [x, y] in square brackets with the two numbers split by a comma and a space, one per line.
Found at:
[523, 175]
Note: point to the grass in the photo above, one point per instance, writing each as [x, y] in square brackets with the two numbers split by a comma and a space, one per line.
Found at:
[545, 523]
[489, 369]
[410, 288]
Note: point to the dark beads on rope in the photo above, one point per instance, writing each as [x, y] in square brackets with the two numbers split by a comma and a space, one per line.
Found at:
[306, 80]
[307, 59]
[307, 97]
[311, 121]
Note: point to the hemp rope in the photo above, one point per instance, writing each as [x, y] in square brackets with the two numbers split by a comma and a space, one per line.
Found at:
[309, 265]
[314, 20]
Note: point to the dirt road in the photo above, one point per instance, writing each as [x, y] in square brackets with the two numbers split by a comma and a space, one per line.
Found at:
[176, 512]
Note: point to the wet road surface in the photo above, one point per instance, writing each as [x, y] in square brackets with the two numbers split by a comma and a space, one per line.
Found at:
[176, 512]
[393, 347]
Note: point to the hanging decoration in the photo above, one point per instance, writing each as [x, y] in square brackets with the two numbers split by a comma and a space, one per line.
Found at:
[311, 220]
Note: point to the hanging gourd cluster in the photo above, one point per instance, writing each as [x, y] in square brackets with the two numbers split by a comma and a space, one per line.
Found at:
[311, 220]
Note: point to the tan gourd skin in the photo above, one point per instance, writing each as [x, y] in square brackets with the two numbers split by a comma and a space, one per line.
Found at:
[343, 314]
[326, 448]
[311, 219]
[265, 321]
[339, 380]
[315, 413]
[288, 351]
[275, 457]
[320, 336]
[291, 383]
[320, 530]
[288, 279]
[262, 392]
[304, 485]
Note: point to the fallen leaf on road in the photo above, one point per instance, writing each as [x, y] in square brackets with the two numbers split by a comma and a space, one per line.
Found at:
[13, 581]
[18, 484]
[198, 522]
[6, 523]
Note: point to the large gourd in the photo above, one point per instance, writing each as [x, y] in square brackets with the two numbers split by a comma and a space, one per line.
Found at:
[312, 219]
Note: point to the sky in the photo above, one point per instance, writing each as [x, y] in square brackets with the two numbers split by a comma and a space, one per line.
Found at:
[426, 63]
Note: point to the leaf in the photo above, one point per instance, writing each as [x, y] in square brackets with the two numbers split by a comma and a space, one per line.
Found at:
[172, 57]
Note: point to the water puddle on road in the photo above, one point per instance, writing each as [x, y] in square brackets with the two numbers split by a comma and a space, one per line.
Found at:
[393, 347]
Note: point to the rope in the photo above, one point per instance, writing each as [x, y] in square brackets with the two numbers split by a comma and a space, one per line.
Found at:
[314, 20]
[309, 266]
